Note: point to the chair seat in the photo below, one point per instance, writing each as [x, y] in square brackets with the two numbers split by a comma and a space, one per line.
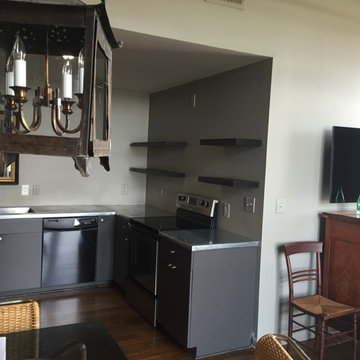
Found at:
[322, 306]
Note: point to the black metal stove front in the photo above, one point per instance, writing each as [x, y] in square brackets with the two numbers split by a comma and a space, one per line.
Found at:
[141, 289]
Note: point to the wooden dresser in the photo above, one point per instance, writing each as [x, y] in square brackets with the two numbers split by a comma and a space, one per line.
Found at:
[341, 272]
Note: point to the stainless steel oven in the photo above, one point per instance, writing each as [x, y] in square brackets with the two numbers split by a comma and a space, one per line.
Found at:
[192, 212]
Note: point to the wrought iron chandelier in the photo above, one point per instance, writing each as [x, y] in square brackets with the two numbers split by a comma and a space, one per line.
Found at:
[79, 33]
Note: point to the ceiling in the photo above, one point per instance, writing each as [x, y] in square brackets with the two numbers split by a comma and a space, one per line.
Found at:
[149, 64]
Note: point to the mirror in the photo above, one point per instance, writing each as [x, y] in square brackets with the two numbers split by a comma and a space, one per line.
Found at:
[9, 163]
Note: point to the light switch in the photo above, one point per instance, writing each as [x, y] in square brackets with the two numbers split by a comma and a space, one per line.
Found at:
[24, 190]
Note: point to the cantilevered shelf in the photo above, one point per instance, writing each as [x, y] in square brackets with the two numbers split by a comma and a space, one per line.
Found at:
[159, 144]
[228, 181]
[231, 142]
[157, 172]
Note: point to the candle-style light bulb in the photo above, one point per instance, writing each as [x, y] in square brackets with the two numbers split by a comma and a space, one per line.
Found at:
[19, 54]
[81, 70]
[67, 77]
[9, 75]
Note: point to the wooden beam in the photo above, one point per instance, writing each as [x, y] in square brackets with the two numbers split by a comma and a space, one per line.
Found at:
[39, 145]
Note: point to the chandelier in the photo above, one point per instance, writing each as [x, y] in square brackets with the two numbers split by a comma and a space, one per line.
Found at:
[81, 35]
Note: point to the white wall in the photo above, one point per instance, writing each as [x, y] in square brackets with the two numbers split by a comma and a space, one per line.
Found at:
[315, 85]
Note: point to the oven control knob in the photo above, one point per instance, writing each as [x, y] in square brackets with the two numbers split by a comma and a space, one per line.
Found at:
[182, 198]
[204, 203]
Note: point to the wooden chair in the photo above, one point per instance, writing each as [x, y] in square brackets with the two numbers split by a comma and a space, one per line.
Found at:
[269, 348]
[17, 316]
[324, 310]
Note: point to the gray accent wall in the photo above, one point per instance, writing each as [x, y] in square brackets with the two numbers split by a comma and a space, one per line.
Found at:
[228, 105]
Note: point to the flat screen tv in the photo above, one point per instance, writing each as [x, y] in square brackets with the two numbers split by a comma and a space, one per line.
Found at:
[345, 165]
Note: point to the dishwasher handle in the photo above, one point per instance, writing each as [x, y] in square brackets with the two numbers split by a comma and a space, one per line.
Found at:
[63, 224]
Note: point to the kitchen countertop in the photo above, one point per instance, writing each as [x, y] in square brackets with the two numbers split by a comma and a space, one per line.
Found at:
[88, 210]
[208, 239]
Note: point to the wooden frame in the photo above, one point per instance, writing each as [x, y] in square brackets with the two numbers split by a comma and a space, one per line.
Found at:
[97, 33]
[13, 179]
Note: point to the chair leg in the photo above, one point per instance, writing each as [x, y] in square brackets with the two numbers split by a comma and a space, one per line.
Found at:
[317, 334]
[355, 336]
[322, 340]
[290, 325]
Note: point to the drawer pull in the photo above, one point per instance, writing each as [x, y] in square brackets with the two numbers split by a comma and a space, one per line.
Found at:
[1, 238]
[173, 267]
[172, 252]
[170, 265]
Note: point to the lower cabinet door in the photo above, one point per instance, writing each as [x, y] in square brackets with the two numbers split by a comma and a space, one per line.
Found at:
[20, 261]
[174, 290]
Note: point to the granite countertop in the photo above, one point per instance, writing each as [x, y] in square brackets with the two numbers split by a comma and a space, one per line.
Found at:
[208, 239]
[88, 210]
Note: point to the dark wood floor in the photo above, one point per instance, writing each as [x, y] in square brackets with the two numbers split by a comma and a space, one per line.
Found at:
[137, 338]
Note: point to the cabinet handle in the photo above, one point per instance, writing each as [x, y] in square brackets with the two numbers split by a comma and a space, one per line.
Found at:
[1, 238]
[170, 265]
[173, 267]
[101, 219]
[126, 239]
[172, 252]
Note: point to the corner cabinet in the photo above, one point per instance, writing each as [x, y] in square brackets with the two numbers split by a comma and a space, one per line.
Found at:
[207, 299]
[341, 257]
[121, 251]
[20, 254]
[105, 248]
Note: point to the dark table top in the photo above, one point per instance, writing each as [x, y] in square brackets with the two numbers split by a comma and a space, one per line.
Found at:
[46, 342]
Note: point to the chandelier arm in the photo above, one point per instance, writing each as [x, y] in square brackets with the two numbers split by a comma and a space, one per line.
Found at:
[55, 114]
[36, 119]
[14, 126]
[64, 129]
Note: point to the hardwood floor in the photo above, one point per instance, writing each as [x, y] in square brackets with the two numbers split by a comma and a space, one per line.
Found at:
[137, 339]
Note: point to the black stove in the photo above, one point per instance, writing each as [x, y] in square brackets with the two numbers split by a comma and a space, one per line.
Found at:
[193, 212]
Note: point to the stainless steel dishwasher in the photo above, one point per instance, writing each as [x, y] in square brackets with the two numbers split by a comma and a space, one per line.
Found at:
[69, 251]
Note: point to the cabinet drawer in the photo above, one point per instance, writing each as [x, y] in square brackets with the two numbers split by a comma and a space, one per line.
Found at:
[19, 226]
[174, 257]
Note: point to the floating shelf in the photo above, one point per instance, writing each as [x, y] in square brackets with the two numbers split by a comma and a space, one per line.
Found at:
[231, 142]
[228, 181]
[157, 172]
[160, 144]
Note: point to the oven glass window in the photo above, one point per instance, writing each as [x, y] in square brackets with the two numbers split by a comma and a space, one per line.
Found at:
[143, 259]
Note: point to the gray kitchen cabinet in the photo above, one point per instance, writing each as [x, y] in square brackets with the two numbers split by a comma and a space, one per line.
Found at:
[105, 248]
[20, 254]
[174, 273]
[207, 299]
[121, 251]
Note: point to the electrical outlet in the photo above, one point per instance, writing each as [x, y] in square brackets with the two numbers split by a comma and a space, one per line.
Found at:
[226, 210]
[124, 189]
[249, 204]
[25, 190]
[36, 190]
